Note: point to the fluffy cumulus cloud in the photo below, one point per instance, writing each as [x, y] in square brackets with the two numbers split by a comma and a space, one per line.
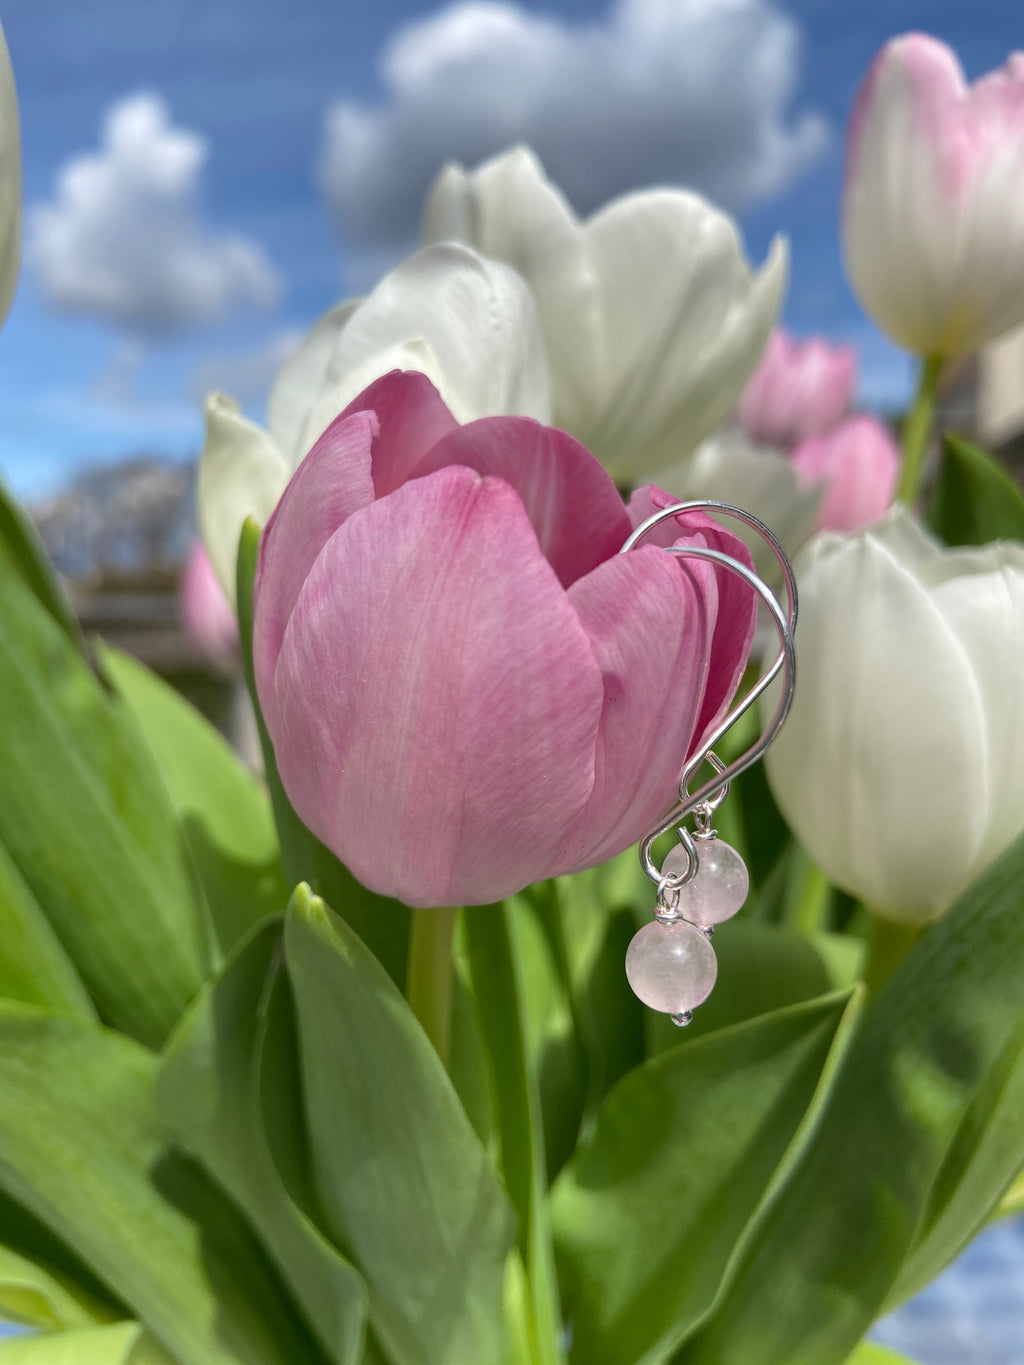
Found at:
[247, 375]
[687, 92]
[123, 238]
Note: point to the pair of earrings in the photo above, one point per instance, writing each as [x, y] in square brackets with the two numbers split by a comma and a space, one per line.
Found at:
[670, 963]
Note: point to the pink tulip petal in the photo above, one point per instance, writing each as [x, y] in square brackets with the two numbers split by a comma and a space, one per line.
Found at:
[331, 483]
[858, 464]
[437, 701]
[800, 388]
[576, 510]
[736, 618]
[412, 417]
[647, 618]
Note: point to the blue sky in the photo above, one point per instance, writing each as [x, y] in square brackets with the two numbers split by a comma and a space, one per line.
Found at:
[222, 111]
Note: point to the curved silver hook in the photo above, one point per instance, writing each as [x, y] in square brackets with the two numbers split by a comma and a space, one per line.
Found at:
[784, 623]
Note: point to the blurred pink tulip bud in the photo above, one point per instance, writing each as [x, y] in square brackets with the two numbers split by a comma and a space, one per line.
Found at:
[467, 687]
[206, 615]
[857, 464]
[799, 389]
[933, 215]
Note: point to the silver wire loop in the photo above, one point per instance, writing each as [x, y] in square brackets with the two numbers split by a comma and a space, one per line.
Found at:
[714, 790]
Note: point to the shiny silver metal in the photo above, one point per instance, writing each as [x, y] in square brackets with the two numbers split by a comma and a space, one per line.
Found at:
[714, 791]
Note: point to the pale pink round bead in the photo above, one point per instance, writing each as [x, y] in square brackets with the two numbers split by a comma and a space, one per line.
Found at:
[671, 967]
[720, 886]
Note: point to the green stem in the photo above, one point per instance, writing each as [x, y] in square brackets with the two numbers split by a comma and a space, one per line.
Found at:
[429, 979]
[808, 894]
[888, 945]
[918, 428]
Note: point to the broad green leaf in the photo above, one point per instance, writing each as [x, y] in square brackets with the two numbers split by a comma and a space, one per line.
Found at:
[499, 984]
[981, 1161]
[222, 809]
[822, 1264]
[33, 965]
[687, 1150]
[122, 1343]
[383, 924]
[761, 968]
[406, 1189]
[24, 550]
[88, 824]
[1012, 1201]
[41, 1297]
[870, 1353]
[82, 1149]
[214, 1090]
[974, 500]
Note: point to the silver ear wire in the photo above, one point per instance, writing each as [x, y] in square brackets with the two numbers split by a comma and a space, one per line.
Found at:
[713, 791]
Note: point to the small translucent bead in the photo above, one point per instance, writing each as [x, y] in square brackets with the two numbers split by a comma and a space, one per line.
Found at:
[720, 886]
[671, 967]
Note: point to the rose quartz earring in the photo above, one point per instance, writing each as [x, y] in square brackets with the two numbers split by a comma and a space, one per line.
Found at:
[670, 963]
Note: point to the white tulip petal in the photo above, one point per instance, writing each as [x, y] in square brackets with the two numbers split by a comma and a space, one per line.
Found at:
[478, 319]
[511, 212]
[878, 768]
[981, 595]
[684, 323]
[730, 468]
[652, 317]
[302, 378]
[241, 474]
[10, 182]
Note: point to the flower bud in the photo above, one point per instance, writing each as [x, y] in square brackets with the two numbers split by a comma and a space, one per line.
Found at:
[207, 616]
[799, 389]
[467, 687]
[856, 466]
[901, 767]
[933, 215]
[652, 316]
[10, 183]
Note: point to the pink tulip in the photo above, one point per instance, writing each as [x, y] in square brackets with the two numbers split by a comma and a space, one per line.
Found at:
[467, 688]
[799, 389]
[933, 207]
[858, 465]
[205, 613]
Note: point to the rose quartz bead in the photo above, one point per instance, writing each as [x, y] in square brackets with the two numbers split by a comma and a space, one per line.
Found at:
[720, 886]
[671, 967]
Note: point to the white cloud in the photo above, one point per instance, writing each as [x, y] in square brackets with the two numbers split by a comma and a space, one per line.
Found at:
[690, 92]
[123, 238]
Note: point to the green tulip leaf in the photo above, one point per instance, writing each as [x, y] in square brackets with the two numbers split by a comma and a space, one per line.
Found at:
[383, 924]
[219, 1079]
[88, 825]
[20, 544]
[870, 1353]
[974, 499]
[41, 1297]
[34, 967]
[499, 980]
[83, 1151]
[222, 809]
[405, 1187]
[1012, 1201]
[123, 1343]
[939, 1045]
[688, 1151]
[762, 968]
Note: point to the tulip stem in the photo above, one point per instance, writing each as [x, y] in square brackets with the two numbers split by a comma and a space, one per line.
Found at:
[888, 945]
[918, 428]
[429, 977]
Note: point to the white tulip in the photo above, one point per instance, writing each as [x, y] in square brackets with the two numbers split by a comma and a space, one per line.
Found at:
[731, 468]
[467, 323]
[653, 319]
[901, 767]
[10, 182]
[933, 214]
